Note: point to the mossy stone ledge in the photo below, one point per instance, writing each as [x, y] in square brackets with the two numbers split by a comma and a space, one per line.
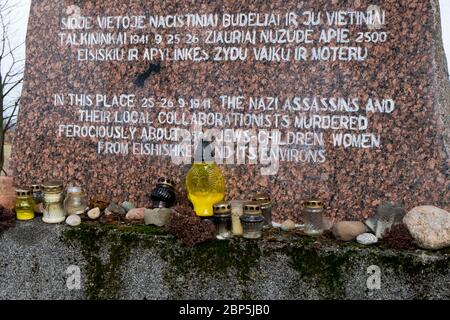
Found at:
[140, 262]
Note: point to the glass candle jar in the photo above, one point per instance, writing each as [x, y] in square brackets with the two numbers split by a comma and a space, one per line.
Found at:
[164, 195]
[76, 201]
[38, 195]
[266, 207]
[24, 204]
[313, 217]
[53, 202]
[38, 198]
[222, 219]
[252, 220]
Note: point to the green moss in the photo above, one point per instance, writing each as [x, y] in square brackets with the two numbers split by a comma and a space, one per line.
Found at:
[103, 277]
[407, 263]
[326, 262]
[326, 269]
[215, 257]
[128, 229]
[212, 258]
[322, 262]
[113, 242]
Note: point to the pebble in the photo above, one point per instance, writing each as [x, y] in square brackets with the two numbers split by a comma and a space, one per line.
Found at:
[135, 214]
[94, 213]
[348, 230]
[367, 239]
[114, 208]
[73, 220]
[288, 225]
[127, 205]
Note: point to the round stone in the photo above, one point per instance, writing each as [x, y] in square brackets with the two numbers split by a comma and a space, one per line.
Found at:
[94, 213]
[367, 239]
[288, 225]
[73, 220]
[429, 226]
[348, 230]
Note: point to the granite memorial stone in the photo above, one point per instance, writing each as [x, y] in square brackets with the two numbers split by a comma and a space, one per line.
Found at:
[342, 100]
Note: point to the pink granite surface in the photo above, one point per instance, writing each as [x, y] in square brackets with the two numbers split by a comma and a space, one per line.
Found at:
[411, 166]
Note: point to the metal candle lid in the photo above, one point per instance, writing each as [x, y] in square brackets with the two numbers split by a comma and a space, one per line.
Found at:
[252, 208]
[262, 198]
[222, 209]
[36, 187]
[23, 192]
[53, 186]
[166, 182]
[313, 203]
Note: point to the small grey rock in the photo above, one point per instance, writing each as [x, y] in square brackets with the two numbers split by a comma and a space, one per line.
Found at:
[127, 205]
[388, 214]
[114, 208]
[367, 239]
[158, 217]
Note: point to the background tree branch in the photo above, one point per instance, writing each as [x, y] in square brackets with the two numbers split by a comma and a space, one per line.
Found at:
[11, 77]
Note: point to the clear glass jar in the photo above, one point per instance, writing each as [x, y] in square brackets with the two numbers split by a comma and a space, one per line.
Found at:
[38, 195]
[266, 207]
[38, 198]
[222, 219]
[53, 202]
[252, 220]
[313, 217]
[76, 201]
[24, 205]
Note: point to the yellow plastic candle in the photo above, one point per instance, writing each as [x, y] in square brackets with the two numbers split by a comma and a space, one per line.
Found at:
[205, 186]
